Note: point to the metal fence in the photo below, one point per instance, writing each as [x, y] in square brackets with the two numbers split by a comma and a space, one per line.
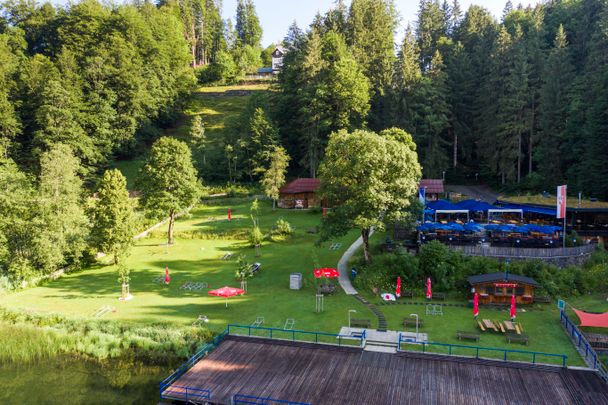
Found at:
[297, 335]
[522, 253]
[583, 346]
[479, 351]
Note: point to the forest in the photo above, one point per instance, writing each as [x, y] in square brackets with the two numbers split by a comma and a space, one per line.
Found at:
[520, 101]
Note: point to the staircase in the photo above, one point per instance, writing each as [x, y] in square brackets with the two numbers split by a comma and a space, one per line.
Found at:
[380, 346]
[381, 319]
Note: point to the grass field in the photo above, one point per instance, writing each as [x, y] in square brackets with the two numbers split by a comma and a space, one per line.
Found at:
[550, 201]
[195, 259]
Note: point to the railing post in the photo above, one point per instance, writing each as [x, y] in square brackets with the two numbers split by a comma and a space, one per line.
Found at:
[293, 336]
[249, 328]
[271, 333]
[533, 358]
[316, 337]
[477, 352]
[187, 395]
[564, 359]
[505, 358]
[450, 350]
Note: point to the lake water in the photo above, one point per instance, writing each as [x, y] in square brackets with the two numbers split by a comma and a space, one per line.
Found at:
[63, 380]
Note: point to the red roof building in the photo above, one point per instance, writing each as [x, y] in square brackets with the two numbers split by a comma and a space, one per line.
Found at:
[300, 193]
[433, 188]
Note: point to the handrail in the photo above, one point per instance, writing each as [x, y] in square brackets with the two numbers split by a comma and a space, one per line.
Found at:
[479, 349]
[252, 399]
[581, 342]
[203, 351]
[293, 333]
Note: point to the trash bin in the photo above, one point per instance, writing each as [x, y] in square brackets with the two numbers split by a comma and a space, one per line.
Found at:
[295, 281]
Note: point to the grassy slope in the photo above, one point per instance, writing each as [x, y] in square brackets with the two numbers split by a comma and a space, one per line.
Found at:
[550, 201]
[199, 261]
[217, 110]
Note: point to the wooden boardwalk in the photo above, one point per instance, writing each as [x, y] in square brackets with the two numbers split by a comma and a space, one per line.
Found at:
[319, 374]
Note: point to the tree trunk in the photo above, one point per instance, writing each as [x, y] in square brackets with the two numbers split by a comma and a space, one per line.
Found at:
[365, 237]
[171, 223]
[519, 159]
[455, 149]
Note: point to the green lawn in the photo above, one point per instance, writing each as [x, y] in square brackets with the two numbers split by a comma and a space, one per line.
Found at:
[198, 260]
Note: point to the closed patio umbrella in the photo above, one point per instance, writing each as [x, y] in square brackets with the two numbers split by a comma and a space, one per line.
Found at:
[398, 289]
[513, 310]
[429, 291]
[167, 278]
[476, 305]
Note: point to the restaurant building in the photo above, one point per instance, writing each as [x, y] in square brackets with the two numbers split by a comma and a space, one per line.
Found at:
[497, 288]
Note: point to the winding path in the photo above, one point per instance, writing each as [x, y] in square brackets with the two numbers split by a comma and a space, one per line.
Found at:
[348, 287]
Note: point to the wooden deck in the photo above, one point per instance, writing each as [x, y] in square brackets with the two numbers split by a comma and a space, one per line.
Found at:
[318, 374]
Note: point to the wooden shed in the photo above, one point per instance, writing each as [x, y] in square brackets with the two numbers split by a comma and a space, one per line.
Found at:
[497, 288]
[300, 193]
[433, 189]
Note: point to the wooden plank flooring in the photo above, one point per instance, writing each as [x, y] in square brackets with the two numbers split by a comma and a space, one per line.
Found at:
[319, 375]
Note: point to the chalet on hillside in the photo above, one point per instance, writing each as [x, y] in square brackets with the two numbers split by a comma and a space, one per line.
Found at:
[433, 188]
[277, 58]
[300, 193]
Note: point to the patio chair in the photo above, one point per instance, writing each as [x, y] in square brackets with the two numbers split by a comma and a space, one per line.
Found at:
[259, 321]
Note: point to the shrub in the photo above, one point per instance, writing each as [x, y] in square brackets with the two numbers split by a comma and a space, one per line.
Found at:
[383, 271]
[282, 227]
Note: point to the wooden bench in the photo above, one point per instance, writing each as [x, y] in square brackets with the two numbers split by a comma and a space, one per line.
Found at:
[360, 323]
[407, 294]
[412, 322]
[512, 337]
[467, 335]
[483, 329]
[439, 296]
[542, 299]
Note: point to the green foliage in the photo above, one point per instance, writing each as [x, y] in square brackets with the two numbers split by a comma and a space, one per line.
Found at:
[244, 269]
[248, 29]
[168, 180]
[382, 273]
[439, 263]
[369, 178]
[282, 228]
[274, 177]
[255, 236]
[113, 218]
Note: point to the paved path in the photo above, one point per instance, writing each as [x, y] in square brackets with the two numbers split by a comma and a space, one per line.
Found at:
[343, 266]
[479, 192]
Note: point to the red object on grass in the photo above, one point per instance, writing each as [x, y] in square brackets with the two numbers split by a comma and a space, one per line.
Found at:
[398, 289]
[476, 305]
[229, 214]
[167, 278]
[593, 320]
[513, 311]
[429, 291]
[227, 292]
[326, 272]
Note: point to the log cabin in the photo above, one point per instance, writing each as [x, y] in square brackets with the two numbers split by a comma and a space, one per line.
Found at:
[497, 288]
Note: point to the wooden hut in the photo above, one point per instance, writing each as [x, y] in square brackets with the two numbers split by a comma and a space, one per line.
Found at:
[300, 193]
[497, 288]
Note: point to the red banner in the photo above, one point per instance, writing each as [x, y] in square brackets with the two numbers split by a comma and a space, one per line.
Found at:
[561, 202]
[512, 285]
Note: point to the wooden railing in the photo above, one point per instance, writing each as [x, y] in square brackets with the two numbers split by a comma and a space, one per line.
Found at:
[524, 253]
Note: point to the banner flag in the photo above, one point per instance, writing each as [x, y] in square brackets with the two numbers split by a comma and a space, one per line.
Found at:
[422, 195]
[561, 202]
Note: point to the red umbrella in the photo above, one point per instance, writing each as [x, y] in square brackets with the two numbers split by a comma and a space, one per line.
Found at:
[398, 289]
[167, 278]
[513, 309]
[429, 292]
[227, 292]
[326, 272]
[229, 214]
[476, 305]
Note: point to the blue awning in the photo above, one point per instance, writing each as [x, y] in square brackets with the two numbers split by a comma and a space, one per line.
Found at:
[442, 205]
[474, 205]
[531, 209]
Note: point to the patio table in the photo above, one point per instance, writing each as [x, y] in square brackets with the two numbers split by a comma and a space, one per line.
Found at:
[510, 326]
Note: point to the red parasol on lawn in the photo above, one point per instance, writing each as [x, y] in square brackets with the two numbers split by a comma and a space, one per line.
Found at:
[229, 214]
[227, 292]
[476, 305]
[429, 291]
[326, 272]
[167, 278]
[513, 309]
[398, 289]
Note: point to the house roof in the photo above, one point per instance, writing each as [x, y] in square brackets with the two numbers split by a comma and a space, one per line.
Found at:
[432, 186]
[301, 186]
[501, 277]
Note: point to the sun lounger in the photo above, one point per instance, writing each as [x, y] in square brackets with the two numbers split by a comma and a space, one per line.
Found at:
[289, 324]
[259, 321]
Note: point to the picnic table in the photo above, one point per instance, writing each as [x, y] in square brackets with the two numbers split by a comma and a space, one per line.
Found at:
[488, 324]
[467, 335]
[439, 296]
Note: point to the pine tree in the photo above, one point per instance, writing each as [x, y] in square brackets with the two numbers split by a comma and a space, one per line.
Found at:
[274, 176]
[432, 25]
[554, 103]
[113, 217]
[248, 29]
[406, 84]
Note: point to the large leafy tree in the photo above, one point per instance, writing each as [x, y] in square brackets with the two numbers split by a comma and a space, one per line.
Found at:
[369, 179]
[113, 217]
[168, 180]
